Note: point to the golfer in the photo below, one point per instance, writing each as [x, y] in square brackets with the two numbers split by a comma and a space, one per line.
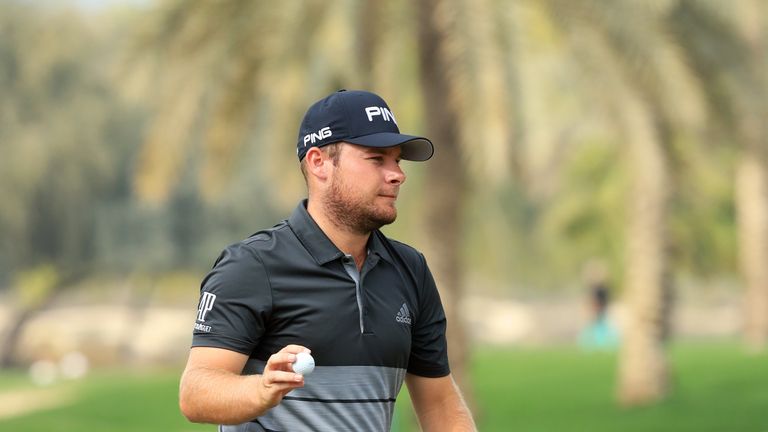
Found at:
[327, 281]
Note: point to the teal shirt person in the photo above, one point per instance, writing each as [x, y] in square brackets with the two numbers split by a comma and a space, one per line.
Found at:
[600, 334]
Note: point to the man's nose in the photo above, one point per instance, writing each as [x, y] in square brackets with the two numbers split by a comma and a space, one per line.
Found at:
[396, 175]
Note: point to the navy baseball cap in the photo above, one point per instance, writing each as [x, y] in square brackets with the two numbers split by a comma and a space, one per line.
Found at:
[357, 117]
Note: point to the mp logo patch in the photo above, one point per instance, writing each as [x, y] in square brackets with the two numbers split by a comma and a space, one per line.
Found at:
[206, 304]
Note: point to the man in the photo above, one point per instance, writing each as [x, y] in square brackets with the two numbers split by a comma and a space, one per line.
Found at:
[327, 281]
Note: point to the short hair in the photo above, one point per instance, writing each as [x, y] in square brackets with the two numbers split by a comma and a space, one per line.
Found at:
[332, 150]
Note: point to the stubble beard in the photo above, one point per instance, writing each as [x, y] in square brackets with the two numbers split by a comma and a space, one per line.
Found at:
[351, 212]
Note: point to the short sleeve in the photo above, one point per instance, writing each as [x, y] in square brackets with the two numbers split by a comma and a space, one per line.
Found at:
[235, 302]
[429, 349]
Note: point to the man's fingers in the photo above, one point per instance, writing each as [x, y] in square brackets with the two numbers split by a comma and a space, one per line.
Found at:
[272, 390]
[295, 349]
[279, 377]
[280, 390]
[280, 361]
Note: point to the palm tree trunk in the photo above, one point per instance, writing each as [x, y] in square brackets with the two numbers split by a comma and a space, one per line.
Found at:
[752, 210]
[752, 185]
[446, 178]
[643, 369]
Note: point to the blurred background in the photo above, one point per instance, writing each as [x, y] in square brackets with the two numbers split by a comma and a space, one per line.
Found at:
[596, 214]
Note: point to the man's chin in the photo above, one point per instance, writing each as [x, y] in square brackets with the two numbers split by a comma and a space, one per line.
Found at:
[388, 214]
[381, 218]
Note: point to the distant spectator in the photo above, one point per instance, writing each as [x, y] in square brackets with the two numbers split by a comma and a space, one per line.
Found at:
[600, 333]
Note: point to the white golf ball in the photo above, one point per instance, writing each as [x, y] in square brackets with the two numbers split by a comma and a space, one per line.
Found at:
[304, 364]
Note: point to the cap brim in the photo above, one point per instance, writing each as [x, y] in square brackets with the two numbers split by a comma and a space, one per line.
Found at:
[413, 148]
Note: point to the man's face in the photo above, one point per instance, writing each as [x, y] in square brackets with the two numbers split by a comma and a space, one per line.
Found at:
[364, 186]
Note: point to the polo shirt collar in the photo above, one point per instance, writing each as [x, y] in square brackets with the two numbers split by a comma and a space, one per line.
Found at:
[377, 246]
[319, 245]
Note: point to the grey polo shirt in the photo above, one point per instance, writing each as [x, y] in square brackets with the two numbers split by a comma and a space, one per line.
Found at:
[291, 285]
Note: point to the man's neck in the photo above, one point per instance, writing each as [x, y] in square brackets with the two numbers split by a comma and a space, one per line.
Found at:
[348, 241]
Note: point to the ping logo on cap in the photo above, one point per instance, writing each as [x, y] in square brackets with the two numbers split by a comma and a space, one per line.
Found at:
[384, 112]
[357, 117]
[319, 135]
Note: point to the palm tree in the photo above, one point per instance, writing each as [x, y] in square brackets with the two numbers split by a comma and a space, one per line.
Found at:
[726, 47]
[640, 68]
[222, 70]
[447, 175]
[752, 175]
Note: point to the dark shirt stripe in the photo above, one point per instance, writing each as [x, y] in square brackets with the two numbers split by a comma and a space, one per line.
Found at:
[308, 399]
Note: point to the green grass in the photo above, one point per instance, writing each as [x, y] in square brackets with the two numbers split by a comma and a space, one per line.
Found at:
[114, 401]
[716, 388]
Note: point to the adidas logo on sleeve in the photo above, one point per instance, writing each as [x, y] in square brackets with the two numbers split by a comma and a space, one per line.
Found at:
[403, 316]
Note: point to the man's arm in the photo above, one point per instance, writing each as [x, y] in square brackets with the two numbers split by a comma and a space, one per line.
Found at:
[438, 404]
[213, 391]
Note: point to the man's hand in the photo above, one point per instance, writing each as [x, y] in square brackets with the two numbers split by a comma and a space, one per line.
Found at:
[278, 378]
[213, 390]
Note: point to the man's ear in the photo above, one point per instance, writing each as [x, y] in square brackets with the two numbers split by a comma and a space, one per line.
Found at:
[316, 166]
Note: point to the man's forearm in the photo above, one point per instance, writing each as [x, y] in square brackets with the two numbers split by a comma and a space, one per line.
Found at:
[439, 404]
[218, 396]
[451, 415]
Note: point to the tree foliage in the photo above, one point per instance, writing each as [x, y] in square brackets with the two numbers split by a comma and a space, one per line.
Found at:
[95, 172]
